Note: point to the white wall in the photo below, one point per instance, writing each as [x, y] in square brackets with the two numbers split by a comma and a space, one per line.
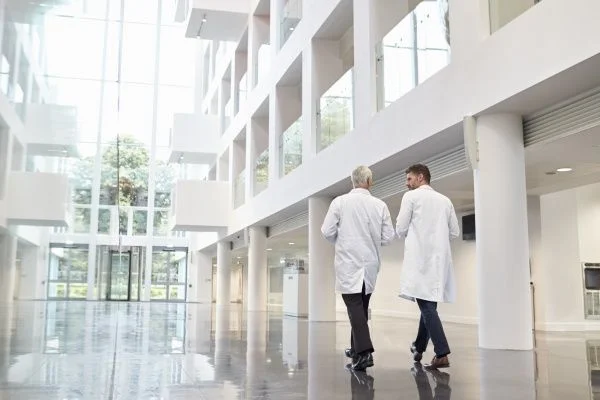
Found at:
[570, 221]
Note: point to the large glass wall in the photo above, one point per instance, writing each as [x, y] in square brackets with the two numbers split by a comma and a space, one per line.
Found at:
[125, 67]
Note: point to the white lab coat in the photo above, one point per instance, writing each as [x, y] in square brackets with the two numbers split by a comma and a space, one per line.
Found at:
[358, 224]
[428, 221]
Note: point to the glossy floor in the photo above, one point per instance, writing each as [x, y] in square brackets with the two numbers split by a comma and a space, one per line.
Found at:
[86, 350]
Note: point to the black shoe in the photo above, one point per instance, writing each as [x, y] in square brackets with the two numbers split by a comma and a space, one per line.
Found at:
[416, 355]
[363, 362]
[350, 353]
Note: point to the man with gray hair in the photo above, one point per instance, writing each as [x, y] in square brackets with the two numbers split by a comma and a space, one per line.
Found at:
[358, 224]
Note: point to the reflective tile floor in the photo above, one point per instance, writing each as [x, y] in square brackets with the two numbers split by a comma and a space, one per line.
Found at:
[89, 350]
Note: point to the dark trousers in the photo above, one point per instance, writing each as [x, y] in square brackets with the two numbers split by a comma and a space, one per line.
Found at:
[358, 313]
[430, 327]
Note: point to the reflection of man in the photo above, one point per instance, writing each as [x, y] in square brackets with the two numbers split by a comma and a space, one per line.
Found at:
[428, 221]
[358, 224]
[362, 386]
[442, 389]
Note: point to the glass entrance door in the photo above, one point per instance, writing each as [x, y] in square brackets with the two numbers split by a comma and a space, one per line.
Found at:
[119, 276]
[169, 274]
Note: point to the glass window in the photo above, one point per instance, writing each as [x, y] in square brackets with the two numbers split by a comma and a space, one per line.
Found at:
[171, 100]
[82, 8]
[261, 172]
[291, 147]
[139, 52]
[84, 95]
[161, 223]
[104, 221]
[140, 220]
[81, 174]
[141, 11]
[65, 37]
[165, 177]
[136, 107]
[131, 160]
[336, 110]
[82, 220]
[177, 57]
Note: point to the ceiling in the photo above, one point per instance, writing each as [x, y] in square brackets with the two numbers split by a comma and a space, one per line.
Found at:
[338, 22]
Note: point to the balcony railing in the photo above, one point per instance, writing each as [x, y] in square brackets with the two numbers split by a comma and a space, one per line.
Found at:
[239, 190]
[261, 172]
[337, 111]
[291, 16]
[414, 50]
[291, 148]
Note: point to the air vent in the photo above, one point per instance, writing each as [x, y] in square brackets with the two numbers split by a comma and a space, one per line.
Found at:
[295, 222]
[564, 119]
[441, 166]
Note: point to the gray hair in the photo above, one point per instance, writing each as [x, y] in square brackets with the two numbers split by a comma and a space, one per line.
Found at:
[361, 176]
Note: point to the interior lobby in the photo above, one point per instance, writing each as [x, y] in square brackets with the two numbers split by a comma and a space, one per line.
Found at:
[166, 166]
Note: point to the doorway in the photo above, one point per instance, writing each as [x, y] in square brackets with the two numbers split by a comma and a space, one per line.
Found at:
[169, 273]
[120, 271]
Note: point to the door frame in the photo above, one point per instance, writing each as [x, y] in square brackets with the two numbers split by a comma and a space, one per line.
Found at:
[110, 272]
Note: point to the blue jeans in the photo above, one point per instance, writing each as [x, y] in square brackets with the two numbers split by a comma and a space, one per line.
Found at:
[430, 327]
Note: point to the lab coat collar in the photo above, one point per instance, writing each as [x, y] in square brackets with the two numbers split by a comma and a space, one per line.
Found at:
[425, 187]
[361, 191]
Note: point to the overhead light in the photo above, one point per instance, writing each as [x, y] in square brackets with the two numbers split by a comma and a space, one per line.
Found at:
[269, 249]
[565, 169]
[68, 242]
[239, 257]
[292, 28]
[291, 243]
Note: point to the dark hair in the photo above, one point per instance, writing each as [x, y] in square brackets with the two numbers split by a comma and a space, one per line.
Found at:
[420, 169]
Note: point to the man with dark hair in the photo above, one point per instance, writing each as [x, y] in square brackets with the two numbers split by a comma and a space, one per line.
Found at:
[428, 222]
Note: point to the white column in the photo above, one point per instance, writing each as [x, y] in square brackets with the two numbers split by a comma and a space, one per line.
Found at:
[504, 299]
[365, 83]
[8, 267]
[469, 26]
[223, 273]
[309, 104]
[321, 275]
[257, 269]
[203, 264]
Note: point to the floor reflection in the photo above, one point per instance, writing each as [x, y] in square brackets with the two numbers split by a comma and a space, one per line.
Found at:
[441, 391]
[91, 350]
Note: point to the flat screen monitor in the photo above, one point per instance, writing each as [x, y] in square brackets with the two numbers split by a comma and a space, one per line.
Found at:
[592, 278]
[468, 227]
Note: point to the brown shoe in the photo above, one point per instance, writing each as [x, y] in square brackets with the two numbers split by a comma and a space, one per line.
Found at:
[438, 362]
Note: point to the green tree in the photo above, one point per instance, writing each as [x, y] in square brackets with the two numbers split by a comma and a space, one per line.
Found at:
[129, 158]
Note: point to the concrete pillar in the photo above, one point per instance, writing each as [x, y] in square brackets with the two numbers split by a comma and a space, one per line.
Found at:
[503, 275]
[8, 267]
[257, 269]
[469, 26]
[365, 80]
[321, 273]
[310, 100]
[223, 273]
